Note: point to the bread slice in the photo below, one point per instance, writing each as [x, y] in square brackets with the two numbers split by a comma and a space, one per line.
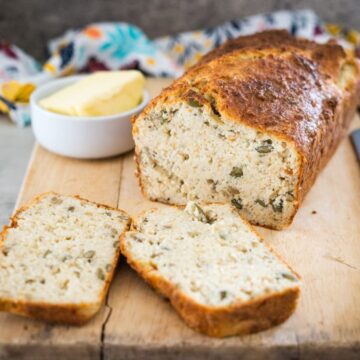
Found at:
[58, 257]
[253, 124]
[216, 270]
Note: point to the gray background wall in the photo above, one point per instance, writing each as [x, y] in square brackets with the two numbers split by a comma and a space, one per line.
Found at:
[29, 23]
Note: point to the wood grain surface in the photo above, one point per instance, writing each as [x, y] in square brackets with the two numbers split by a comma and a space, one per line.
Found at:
[323, 245]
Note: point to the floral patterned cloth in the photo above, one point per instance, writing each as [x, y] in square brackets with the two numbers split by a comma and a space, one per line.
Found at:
[110, 46]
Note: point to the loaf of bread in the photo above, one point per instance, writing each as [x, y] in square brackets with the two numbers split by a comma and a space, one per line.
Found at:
[216, 270]
[252, 123]
[57, 258]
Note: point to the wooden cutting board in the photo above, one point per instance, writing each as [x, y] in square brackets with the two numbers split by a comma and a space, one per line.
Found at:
[323, 245]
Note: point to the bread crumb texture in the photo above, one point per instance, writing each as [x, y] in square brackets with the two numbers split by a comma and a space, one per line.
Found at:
[208, 253]
[60, 250]
[217, 161]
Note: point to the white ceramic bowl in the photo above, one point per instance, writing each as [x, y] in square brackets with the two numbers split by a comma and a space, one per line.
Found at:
[81, 137]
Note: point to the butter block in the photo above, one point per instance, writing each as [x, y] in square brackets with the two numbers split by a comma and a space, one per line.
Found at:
[99, 94]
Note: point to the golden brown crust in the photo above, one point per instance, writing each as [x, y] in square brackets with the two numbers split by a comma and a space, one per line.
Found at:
[327, 55]
[276, 84]
[238, 319]
[74, 314]
[53, 313]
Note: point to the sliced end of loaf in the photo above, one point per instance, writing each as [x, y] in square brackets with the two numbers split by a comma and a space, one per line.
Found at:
[58, 257]
[201, 156]
[215, 269]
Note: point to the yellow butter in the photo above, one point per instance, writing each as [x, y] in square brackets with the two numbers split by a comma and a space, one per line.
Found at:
[102, 93]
